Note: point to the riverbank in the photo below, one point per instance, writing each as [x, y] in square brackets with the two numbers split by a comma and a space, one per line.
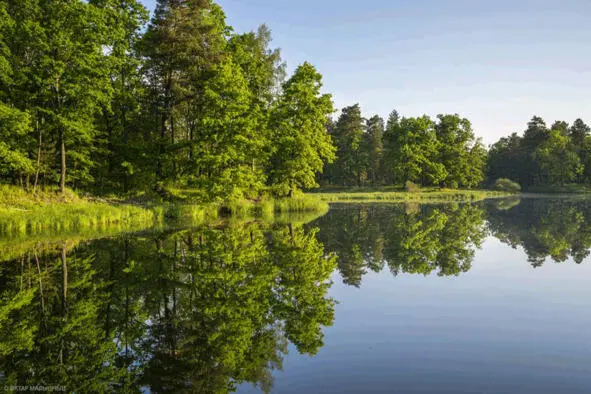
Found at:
[431, 195]
[24, 214]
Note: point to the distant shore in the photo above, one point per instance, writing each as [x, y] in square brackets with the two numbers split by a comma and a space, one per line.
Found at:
[423, 195]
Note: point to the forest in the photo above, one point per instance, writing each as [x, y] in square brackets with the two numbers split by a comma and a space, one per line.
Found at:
[96, 97]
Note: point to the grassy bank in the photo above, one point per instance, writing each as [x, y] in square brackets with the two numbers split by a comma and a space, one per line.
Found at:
[559, 189]
[24, 214]
[390, 195]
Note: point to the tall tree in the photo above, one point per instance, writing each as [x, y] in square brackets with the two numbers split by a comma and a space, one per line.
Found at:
[119, 121]
[374, 147]
[302, 144]
[413, 149]
[578, 132]
[459, 152]
[184, 41]
[558, 163]
[348, 136]
[72, 81]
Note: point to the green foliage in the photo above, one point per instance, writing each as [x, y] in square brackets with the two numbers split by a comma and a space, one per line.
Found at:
[426, 195]
[202, 310]
[301, 143]
[557, 161]
[14, 126]
[542, 156]
[348, 134]
[412, 146]
[462, 155]
[507, 185]
[183, 103]
[556, 229]
[406, 238]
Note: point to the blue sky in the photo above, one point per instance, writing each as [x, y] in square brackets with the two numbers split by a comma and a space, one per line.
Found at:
[495, 62]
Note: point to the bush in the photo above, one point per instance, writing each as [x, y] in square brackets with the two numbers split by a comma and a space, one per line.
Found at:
[412, 187]
[507, 185]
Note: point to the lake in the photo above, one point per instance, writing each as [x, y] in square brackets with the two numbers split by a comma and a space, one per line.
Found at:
[491, 297]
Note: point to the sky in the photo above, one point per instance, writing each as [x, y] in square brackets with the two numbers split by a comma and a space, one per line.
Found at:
[497, 63]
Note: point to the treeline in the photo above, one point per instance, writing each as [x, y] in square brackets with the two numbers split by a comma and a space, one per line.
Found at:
[91, 97]
[94, 97]
[556, 155]
[443, 152]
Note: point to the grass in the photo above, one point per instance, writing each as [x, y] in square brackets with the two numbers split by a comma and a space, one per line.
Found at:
[25, 214]
[560, 189]
[397, 195]
[268, 208]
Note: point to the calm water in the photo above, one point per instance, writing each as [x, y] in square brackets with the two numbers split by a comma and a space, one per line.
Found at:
[486, 298]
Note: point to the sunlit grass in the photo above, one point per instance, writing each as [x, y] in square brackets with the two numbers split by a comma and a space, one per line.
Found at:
[23, 213]
[271, 207]
[424, 195]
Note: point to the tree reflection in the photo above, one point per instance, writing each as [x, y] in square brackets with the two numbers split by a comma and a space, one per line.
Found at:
[418, 239]
[558, 229]
[200, 310]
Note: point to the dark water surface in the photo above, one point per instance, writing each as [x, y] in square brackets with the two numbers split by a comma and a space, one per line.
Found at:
[486, 298]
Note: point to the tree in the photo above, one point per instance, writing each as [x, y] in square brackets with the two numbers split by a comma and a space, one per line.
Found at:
[558, 163]
[227, 141]
[535, 134]
[578, 132]
[505, 159]
[298, 120]
[348, 136]
[119, 121]
[15, 126]
[374, 147]
[459, 152]
[73, 81]
[184, 41]
[413, 149]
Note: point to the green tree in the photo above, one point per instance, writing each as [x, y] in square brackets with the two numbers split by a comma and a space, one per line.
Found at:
[374, 148]
[73, 81]
[301, 142]
[413, 149]
[348, 136]
[459, 152]
[184, 41]
[557, 162]
[119, 122]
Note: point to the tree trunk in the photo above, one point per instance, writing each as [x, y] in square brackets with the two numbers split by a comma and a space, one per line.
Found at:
[38, 155]
[40, 282]
[65, 277]
[63, 165]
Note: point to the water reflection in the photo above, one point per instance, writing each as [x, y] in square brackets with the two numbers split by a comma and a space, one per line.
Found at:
[416, 239]
[558, 229]
[195, 310]
[207, 309]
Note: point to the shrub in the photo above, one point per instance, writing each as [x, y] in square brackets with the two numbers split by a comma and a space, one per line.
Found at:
[412, 187]
[507, 185]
